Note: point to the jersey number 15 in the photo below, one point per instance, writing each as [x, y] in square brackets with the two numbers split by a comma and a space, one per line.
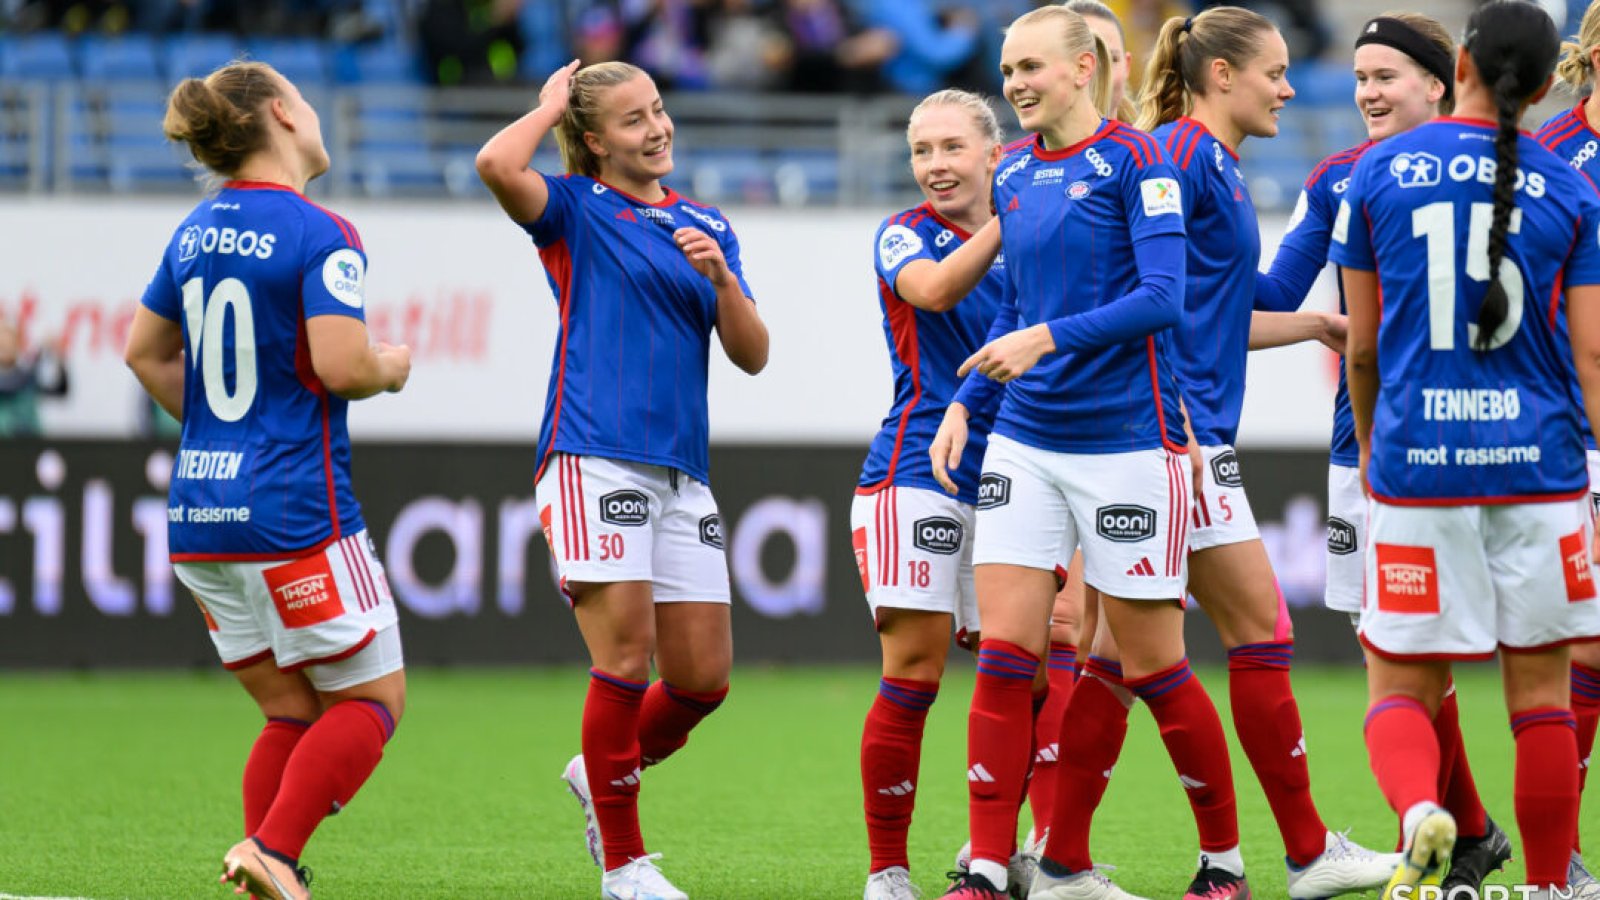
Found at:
[206, 319]
[1437, 223]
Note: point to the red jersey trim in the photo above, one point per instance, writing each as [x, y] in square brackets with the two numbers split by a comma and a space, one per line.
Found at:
[903, 325]
[1044, 155]
[671, 197]
[1343, 156]
[1155, 393]
[957, 230]
[253, 557]
[1540, 648]
[1505, 500]
[559, 263]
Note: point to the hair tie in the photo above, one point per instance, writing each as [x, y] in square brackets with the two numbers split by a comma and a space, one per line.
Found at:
[1188, 24]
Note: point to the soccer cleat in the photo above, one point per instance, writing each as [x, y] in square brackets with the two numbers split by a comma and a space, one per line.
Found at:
[1019, 871]
[1578, 877]
[893, 883]
[263, 873]
[1474, 858]
[576, 776]
[1212, 883]
[1090, 884]
[1427, 850]
[1344, 866]
[639, 880]
[967, 886]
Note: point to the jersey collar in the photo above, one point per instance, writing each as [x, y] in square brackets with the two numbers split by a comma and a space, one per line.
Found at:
[1196, 123]
[239, 185]
[957, 230]
[1475, 122]
[670, 199]
[1581, 113]
[1044, 155]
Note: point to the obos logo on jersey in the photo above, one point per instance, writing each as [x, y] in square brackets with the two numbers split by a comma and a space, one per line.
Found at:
[343, 274]
[898, 244]
[1341, 537]
[993, 490]
[1161, 197]
[1125, 523]
[1416, 169]
[625, 508]
[938, 535]
[1408, 579]
[1225, 469]
[303, 591]
[711, 531]
[196, 240]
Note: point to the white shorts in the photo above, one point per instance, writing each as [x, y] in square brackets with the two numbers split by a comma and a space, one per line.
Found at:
[312, 611]
[1128, 512]
[913, 547]
[609, 520]
[1347, 539]
[1458, 582]
[1594, 482]
[1222, 513]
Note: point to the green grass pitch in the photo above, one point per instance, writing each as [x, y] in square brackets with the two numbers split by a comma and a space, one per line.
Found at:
[126, 786]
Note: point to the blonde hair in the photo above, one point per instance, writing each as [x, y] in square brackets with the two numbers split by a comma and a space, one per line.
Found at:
[1126, 110]
[1176, 72]
[1079, 38]
[1575, 68]
[976, 108]
[583, 113]
[222, 117]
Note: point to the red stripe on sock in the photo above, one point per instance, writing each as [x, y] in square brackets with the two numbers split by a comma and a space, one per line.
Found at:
[891, 755]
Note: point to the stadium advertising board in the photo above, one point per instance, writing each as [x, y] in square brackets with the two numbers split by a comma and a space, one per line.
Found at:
[84, 579]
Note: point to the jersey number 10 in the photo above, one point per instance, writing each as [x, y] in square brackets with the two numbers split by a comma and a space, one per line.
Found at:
[1437, 223]
[207, 318]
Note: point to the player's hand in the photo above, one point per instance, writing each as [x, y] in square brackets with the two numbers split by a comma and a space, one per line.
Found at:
[558, 89]
[396, 361]
[704, 253]
[1335, 328]
[1008, 358]
[945, 452]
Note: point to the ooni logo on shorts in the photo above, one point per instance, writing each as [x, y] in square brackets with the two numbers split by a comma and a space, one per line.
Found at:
[938, 535]
[1125, 523]
[1225, 469]
[993, 490]
[1341, 537]
[625, 508]
[711, 531]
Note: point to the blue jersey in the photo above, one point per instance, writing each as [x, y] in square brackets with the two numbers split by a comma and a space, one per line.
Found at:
[1300, 258]
[629, 377]
[263, 468]
[1094, 238]
[1571, 137]
[1213, 340]
[925, 350]
[1455, 425]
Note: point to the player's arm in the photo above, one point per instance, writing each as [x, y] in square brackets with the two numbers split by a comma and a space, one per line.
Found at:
[1280, 329]
[939, 286]
[739, 326]
[503, 161]
[155, 354]
[1361, 352]
[1583, 322]
[348, 365]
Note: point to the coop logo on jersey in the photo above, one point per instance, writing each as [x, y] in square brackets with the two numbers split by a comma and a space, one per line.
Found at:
[1408, 579]
[304, 592]
[1161, 197]
[944, 238]
[1225, 469]
[711, 531]
[342, 275]
[1412, 170]
[1078, 190]
[938, 535]
[1012, 169]
[625, 508]
[993, 490]
[1101, 167]
[1341, 537]
[1577, 567]
[1216, 154]
[1125, 523]
[1585, 154]
[1341, 186]
[711, 222]
[897, 244]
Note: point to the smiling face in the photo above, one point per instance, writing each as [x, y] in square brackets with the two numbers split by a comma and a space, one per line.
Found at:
[1257, 91]
[634, 141]
[1393, 93]
[1042, 82]
[952, 160]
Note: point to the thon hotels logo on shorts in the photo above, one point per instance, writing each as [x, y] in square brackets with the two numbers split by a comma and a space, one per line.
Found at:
[625, 508]
[304, 592]
[1225, 469]
[1341, 537]
[1576, 566]
[1125, 523]
[1408, 579]
[711, 531]
[938, 535]
[993, 490]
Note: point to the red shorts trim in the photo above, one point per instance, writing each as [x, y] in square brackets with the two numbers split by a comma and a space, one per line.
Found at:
[1423, 657]
[343, 654]
[248, 661]
[1540, 648]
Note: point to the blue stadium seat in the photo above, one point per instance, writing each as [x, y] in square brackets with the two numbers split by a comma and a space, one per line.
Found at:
[386, 62]
[304, 62]
[198, 55]
[46, 56]
[131, 57]
[1323, 83]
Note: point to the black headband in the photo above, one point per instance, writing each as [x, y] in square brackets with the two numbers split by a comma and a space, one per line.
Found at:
[1397, 34]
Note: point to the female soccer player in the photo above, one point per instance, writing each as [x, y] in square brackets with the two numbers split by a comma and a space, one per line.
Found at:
[1403, 68]
[643, 277]
[252, 333]
[939, 294]
[1469, 437]
[1067, 465]
[1571, 137]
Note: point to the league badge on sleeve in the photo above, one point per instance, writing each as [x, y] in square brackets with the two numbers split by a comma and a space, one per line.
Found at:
[343, 274]
[1161, 197]
[898, 244]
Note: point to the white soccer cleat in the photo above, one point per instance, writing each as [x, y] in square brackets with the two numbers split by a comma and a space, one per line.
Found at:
[1019, 871]
[964, 858]
[1090, 884]
[639, 880]
[1579, 881]
[1343, 867]
[893, 883]
[577, 778]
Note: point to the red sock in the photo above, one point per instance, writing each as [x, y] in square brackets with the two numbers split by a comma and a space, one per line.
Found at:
[1098, 724]
[1456, 785]
[1546, 791]
[1061, 668]
[667, 717]
[1403, 751]
[326, 768]
[264, 769]
[1586, 709]
[611, 756]
[1193, 734]
[1267, 720]
[999, 746]
[891, 752]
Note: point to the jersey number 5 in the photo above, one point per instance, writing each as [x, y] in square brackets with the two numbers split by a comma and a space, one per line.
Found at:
[207, 317]
[1437, 223]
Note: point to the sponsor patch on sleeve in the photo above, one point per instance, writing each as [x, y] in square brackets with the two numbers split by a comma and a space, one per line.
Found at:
[344, 275]
[897, 244]
[1161, 196]
[1341, 223]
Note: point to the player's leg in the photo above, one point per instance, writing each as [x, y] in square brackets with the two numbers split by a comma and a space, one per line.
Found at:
[1069, 612]
[1404, 753]
[290, 705]
[1586, 710]
[1546, 781]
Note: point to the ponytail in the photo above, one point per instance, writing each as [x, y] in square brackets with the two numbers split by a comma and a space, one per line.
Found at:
[1508, 110]
[1176, 70]
[1164, 96]
[1100, 87]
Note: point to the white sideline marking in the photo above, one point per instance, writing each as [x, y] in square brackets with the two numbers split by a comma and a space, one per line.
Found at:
[22, 897]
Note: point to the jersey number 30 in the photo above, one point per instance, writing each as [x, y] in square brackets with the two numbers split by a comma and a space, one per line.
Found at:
[1437, 223]
[207, 317]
